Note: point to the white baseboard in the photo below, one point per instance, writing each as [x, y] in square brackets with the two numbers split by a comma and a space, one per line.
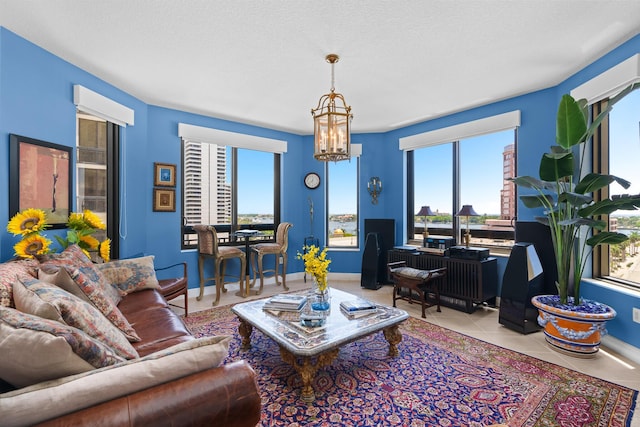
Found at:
[622, 348]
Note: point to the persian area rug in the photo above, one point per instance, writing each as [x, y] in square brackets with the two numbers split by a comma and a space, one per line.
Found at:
[440, 378]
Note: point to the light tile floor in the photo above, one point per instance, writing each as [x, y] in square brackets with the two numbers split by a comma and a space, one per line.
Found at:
[482, 324]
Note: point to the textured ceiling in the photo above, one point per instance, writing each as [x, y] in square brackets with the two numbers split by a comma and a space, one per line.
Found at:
[262, 62]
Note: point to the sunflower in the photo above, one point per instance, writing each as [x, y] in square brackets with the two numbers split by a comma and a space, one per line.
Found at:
[76, 221]
[86, 252]
[93, 220]
[88, 242]
[31, 246]
[105, 249]
[27, 222]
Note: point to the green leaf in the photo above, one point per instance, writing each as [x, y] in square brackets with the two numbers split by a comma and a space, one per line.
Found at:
[63, 243]
[623, 202]
[571, 124]
[555, 166]
[607, 238]
[574, 199]
[536, 201]
[528, 182]
[595, 181]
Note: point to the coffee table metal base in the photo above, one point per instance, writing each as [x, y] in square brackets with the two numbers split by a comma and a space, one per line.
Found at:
[307, 368]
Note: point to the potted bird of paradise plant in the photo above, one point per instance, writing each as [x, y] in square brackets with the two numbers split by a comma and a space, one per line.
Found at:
[564, 192]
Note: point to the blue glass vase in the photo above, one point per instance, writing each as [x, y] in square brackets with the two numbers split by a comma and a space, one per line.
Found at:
[321, 299]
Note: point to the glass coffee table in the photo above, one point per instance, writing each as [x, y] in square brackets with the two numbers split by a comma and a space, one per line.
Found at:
[308, 349]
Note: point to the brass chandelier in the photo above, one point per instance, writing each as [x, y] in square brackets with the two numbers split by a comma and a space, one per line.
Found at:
[332, 124]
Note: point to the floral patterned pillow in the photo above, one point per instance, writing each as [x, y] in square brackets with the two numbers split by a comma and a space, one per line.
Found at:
[131, 275]
[9, 272]
[86, 278]
[92, 283]
[70, 259]
[48, 301]
[43, 349]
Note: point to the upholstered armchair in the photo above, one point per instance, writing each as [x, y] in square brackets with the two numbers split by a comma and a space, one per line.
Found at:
[208, 248]
[279, 249]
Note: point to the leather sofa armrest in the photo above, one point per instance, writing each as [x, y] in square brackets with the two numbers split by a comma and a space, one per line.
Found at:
[225, 396]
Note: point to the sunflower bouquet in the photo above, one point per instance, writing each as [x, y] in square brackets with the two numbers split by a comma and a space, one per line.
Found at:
[81, 226]
[316, 264]
[30, 224]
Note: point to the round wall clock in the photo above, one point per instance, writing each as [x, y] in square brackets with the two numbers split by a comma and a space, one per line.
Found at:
[312, 180]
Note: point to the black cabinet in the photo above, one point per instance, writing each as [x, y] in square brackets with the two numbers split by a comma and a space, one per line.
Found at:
[468, 282]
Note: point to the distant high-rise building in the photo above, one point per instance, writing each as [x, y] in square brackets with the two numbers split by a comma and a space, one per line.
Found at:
[508, 192]
[207, 195]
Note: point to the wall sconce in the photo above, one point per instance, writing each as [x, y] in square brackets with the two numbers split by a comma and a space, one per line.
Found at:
[467, 210]
[374, 187]
[425, 211]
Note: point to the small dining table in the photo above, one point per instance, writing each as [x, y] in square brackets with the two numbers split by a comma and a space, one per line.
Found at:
[246, 236]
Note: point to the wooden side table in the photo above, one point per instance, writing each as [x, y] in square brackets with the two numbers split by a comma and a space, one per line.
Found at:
[422, 282]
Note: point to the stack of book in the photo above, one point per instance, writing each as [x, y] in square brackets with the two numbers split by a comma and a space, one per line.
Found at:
[285, 302]
[357, 308]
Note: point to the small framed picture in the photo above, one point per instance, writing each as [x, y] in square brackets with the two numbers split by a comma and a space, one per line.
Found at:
[164, 200]
[164, 175]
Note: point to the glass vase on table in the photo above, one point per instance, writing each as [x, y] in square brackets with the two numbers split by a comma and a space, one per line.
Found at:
[320, 299]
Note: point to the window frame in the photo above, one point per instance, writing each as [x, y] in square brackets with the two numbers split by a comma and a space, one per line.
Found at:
[355, 247]
[457, 223]
[187, 230]
[112, 166]
[601, 163]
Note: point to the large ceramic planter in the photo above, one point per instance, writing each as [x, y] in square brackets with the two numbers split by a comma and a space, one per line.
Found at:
[573, 332]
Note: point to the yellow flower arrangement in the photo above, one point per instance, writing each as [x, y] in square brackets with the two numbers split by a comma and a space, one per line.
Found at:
[30, 223]
[81, 227]
[316, 264]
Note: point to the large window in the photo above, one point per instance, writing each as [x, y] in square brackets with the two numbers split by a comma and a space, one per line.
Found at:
[97, 175]
[471, 171]
[433, 187]
[616, 153]
[342, 203]
[229, 187]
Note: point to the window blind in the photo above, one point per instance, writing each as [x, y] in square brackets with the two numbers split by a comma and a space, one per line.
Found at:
[492, 124]
[233, 139]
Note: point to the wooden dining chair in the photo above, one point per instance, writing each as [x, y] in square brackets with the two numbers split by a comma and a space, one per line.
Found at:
[278, 249]
[208, 248]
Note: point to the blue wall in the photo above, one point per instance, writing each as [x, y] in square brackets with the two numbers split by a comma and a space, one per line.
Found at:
[36, 100]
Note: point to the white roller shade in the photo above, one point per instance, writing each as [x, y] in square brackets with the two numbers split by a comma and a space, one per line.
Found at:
[492, 124]
[611, 82]
[100, 106]
[356, 150]
[233, 139]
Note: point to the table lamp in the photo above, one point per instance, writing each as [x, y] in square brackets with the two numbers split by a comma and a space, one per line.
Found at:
[425, 211]
[467, 211]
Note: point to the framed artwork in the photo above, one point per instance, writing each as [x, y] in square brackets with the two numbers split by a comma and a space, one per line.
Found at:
[165, 175]
[40, 177]
[164, 200]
